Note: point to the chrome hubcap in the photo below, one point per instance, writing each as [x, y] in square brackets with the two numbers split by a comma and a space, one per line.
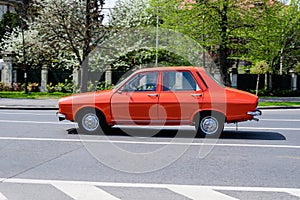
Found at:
[90, 122]
[209, 125]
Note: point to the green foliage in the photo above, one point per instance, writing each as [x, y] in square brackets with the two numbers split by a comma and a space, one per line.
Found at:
[8, 22]
[66, 87]
[94, 86]
[297, 67]
[32, 95]
[33, 87]
[279, 104]
[131, 13]
[260, 67]
[237, 30]
[61, 35]
[275, 35]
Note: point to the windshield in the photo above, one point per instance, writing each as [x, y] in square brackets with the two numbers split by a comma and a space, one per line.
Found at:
[213, 77]
[123, 80]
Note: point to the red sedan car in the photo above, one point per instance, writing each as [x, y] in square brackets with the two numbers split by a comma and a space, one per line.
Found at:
[161, 96]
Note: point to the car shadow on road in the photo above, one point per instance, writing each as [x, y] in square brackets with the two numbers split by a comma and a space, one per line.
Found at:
[252, 135]
[172, 133]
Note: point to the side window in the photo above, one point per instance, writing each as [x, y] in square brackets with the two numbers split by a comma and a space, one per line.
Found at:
[142, 82]
[179, 81]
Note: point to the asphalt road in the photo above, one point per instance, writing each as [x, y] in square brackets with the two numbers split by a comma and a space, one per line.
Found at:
[41, 158]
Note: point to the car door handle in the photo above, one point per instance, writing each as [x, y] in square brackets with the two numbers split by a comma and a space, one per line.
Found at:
[152, 95]
[196, 95]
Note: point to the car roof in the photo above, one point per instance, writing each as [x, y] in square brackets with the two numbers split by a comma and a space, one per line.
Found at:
[173, 68]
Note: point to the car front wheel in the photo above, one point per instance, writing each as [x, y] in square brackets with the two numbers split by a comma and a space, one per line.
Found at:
[210, 124]
[91, 121]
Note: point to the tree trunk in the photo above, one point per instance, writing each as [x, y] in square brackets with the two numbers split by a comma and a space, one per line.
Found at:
[223, 49]
[257, 84]
[86, 48]
[224, 65]
[84, 75]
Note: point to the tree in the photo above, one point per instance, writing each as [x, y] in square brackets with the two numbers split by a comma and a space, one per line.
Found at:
[275, 36]
[214, 24]
[8, 22]
[261, 67]
[142, 57]
[131, 13]
[71, 26]
[135, 25]
[235, 30]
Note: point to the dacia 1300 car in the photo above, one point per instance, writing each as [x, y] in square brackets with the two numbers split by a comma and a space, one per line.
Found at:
[161, 96]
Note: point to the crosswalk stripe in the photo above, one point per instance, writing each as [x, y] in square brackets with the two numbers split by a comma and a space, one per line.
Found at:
[77, 188]
[294, 192]
[80, 192]
[200, 194]
[2, 197]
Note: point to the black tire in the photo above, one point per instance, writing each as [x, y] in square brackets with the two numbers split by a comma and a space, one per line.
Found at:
[91, 121]
[209, 124]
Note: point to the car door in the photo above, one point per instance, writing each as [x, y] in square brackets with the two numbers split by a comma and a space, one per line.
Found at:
[136, 101]
[180, 97]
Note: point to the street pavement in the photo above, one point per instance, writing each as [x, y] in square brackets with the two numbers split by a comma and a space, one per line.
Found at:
[51, 104]
[40, 160]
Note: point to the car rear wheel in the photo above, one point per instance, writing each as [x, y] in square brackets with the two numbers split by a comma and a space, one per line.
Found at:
[91, 121]
[210, 124]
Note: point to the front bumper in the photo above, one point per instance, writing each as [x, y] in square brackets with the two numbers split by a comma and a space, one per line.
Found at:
[60, 116]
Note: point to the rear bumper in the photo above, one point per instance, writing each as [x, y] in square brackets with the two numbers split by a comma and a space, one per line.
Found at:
[254, 113]
[60, 116]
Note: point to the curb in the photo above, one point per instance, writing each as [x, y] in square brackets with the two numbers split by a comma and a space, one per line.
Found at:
[277, 107]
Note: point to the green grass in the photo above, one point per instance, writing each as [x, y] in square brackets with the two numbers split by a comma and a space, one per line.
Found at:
[279, 104]
[33, 95]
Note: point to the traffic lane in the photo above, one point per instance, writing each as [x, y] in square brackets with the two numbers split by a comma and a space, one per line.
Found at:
[30, 124]
[68, 162]
[18, 156]
[277, 118]
[223, 165]
[281, 113]
[35, 126]
[278, 115]
[28, 115]
[65, 130]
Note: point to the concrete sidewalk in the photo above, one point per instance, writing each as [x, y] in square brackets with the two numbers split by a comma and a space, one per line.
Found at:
[280, 99]
[51, 104]
[29, 104]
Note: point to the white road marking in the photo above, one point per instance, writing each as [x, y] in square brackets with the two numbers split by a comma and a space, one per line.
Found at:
[2, 197]
[150, 143]
[294, 192]
[78, 192]
[198, 193]
[186, 189]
